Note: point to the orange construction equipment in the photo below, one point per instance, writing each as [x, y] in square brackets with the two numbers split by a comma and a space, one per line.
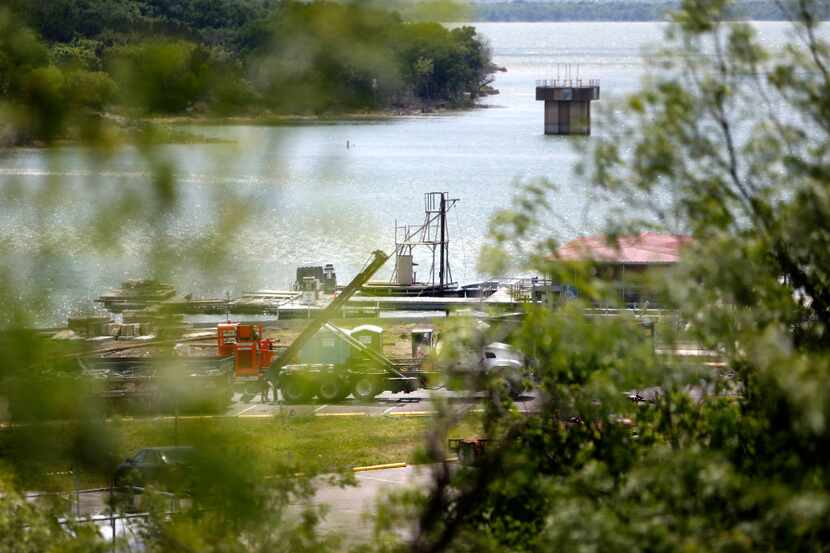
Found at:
[254, 355]
[251, 352]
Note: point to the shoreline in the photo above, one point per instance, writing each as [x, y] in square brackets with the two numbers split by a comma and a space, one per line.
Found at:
[167, 129]
[277, 120]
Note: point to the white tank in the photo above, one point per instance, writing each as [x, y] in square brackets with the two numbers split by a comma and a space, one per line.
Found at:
[403, 267]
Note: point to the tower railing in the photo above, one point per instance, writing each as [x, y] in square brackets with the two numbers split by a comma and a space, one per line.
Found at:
[567, 83]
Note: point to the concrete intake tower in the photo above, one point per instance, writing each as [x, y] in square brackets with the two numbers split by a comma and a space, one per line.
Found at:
[567, 104]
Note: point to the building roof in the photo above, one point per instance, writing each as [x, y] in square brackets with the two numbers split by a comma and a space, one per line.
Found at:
[647, 248]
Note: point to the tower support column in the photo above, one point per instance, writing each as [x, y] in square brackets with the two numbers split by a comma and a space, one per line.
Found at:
[567, 105]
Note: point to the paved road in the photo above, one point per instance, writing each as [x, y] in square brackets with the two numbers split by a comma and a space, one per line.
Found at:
[419, 403]
[348, 508]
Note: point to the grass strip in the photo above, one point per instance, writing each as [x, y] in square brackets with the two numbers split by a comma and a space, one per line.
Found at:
[41, 455]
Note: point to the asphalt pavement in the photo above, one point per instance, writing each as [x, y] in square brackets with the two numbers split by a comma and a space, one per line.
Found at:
[348, 509]
[419, 403]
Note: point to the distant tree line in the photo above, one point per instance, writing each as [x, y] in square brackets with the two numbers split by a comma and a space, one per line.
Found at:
[210, 22]
[568, 10]
[233, 57]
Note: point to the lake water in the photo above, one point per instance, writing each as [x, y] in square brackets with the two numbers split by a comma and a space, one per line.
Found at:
[317, 201]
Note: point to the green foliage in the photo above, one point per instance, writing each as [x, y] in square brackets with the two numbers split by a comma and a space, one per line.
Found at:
[208, 19]
[161, 76]
[91, 89]
[312, 57]
[20, 52]
[65, 20]
[43, 99]
[80, 53]
[444, 64]
[24, 528]
[43, 91]
[323, 56]
[728, 142]
[290, 57]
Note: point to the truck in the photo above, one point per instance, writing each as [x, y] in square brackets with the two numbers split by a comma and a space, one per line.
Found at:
[323, 361]
[330, 364]
[471, 367]
[336, 363]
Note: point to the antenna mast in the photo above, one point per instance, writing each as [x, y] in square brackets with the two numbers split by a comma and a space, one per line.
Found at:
[432, 234]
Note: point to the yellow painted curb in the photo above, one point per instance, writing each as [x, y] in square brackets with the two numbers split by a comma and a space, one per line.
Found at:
[412, 414]
[379, 467]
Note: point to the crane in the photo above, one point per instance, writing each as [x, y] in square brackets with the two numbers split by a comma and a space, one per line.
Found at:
[376, 262]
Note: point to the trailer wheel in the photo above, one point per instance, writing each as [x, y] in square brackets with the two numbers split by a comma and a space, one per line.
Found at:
[332, 389]
[365, 388]
[295, 390]
[515, 390]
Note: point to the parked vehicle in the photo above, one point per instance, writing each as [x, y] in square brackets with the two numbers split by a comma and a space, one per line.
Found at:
[468, 450]
[471, 367]
[163, 466]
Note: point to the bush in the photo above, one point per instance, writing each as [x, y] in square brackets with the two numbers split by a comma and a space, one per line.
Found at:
[43, 95]
[90, 89]
[80, 53]
[161, 76]
[20, 52]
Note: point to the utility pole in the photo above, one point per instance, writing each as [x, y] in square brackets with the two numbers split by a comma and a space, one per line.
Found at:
[227, 305]
[112, 514]
[443, 216]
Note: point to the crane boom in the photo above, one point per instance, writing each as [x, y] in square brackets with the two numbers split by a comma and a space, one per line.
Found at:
[378, 259]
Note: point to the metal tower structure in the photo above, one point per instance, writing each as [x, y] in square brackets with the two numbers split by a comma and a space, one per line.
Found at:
[432, 234]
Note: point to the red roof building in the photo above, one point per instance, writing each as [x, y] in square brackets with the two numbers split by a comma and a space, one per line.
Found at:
[644, 249]
[629, 263]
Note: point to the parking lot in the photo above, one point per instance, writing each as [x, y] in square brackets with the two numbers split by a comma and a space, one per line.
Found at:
[419, 403]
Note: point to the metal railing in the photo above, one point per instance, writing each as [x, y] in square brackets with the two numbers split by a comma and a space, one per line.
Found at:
[532, 289]
[111, 508]
[102, 504]
[567, 83]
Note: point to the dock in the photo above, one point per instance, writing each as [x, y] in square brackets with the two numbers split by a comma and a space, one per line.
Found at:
[356, 306]
[427, 303]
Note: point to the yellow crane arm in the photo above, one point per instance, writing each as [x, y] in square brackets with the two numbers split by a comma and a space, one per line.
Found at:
[378, 259]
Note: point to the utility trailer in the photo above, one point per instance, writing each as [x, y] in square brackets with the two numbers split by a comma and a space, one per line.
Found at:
[166, 383]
